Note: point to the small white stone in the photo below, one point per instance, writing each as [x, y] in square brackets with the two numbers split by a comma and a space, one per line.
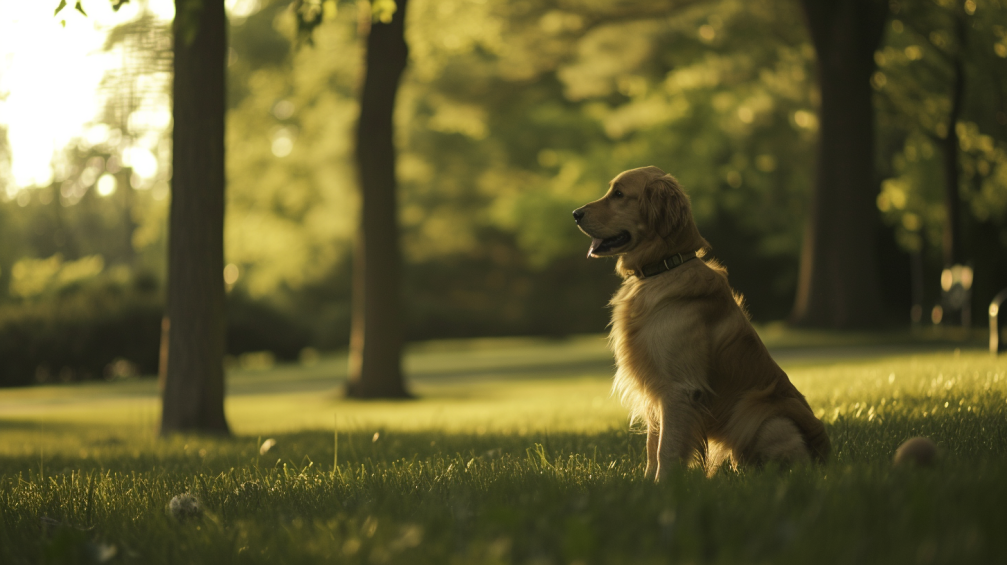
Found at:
[266, 446]
[102, 552]
[185, 506]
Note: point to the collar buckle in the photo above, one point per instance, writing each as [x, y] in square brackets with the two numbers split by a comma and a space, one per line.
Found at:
[676, 260]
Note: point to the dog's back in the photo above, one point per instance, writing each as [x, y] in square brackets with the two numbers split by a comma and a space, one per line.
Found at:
[750, 386]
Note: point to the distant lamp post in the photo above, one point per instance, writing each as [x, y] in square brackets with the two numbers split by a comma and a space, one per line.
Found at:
[956, 295]
[998, 329]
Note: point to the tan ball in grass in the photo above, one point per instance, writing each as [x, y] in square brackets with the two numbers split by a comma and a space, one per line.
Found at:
[919, 451]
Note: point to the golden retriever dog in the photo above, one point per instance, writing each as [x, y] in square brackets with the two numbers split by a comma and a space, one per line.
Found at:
[689, 363]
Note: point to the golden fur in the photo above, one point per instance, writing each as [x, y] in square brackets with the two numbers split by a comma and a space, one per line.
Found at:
[690, 364]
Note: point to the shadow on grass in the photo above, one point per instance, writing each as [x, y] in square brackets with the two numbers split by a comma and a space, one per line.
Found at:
[432, 497]
[27, 445]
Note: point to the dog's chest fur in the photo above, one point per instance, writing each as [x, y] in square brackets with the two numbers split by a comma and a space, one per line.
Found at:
[651, 321]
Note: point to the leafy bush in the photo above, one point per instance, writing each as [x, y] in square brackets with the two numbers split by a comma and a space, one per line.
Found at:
[110, 328]
[259, 326]
[78, 334]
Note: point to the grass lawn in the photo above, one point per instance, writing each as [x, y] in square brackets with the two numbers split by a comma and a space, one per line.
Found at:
[515, 453]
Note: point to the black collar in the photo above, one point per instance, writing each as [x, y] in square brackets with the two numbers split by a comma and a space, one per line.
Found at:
[664, 265]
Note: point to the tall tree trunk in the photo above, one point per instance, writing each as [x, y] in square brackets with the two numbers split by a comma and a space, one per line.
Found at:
[839, 283]
[376, 335]
[124, 178]
[956, 306]
[194, 384]
[952, 248]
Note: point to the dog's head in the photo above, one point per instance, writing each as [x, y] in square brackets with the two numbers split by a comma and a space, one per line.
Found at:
[644, 217]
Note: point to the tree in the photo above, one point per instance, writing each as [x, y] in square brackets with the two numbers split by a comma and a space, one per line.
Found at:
[952, 248]
[377, 321]
[193, 396]
[194, 386]
[941, 108]
[839, 283]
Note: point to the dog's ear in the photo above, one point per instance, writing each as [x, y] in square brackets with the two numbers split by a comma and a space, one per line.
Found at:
[664, 207]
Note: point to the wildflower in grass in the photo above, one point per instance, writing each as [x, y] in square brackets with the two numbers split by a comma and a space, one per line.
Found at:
[102, 552]
[185, 506]
[248, 488]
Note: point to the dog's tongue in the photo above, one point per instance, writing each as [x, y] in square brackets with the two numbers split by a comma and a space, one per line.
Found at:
[595, 244]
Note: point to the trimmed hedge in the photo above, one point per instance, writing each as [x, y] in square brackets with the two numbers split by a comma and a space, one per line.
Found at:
[76, 336]
[108, 330]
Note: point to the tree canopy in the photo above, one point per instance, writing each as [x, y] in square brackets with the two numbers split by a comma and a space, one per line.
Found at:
[511, 114]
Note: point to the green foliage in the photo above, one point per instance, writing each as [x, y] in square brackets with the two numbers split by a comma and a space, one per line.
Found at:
[108, 325]
[291, 196]
[504, 130]
[259, 326]
[914, 87]
[62, 4]
[310, 14]
[33, 277]
[505, 470]
[513, 113]
[69, 222]
[78, 332]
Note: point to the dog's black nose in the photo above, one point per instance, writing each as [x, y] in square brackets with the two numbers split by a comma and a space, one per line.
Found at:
[578, 214]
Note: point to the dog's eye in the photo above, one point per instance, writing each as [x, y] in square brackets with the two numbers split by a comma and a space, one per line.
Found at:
[617, 194]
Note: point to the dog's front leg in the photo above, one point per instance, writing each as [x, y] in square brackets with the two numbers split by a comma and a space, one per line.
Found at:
[681, 435]
[653, 440]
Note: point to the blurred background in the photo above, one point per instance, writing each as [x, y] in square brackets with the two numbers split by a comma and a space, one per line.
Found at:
[512, 113]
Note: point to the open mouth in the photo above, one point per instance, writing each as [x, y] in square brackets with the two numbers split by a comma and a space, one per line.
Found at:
[599, 246]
